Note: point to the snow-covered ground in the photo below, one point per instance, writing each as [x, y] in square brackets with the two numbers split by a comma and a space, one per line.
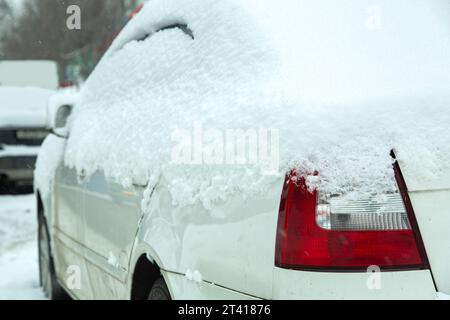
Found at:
[18, 249]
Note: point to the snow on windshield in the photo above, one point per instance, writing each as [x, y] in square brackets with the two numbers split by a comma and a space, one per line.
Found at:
[342, 82]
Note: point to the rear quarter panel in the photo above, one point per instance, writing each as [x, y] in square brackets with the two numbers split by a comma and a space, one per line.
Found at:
[231, 246]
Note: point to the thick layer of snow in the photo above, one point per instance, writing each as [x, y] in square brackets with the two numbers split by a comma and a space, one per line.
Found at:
[24, 106]
[19, 275]
[343, 82]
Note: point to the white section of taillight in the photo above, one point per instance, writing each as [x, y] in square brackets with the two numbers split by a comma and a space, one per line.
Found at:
[376, 213]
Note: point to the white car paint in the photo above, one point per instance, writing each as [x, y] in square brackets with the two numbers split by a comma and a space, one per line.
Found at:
[327, 286]
[431, 200]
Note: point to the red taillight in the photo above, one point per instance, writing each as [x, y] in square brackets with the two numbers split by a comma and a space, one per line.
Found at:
[304, 242]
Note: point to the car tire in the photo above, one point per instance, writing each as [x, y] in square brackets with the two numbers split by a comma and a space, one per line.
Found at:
[47, 275]
[159, 291]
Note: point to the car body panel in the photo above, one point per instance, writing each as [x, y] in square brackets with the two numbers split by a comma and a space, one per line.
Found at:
[111, 219]
[293, 284]
[184, 289]
[432, 209]
[430, 198]
[104, 282]
[236, 237]
[70, 267]
[66, 224]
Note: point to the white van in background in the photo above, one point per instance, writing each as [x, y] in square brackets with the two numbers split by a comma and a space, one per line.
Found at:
[25, 88]
[29, 73]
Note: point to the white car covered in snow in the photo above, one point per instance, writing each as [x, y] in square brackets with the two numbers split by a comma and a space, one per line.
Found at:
[250, 149]
[23, 128]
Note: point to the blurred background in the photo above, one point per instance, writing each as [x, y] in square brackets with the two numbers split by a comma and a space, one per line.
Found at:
[36, 30]
[40, 55]
[39, 58]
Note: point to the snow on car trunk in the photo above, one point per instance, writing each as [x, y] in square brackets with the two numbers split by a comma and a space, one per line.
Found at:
[340, 84]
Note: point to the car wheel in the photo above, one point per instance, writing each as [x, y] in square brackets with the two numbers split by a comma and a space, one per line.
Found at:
[47, 274]
[159, 291]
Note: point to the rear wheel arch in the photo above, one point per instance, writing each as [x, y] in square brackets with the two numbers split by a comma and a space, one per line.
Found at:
[145, 274]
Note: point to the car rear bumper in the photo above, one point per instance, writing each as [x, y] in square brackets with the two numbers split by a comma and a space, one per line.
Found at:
[401, 285]
[18, 169]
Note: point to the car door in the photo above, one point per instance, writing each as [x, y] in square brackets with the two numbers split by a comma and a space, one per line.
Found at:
[111, 219]
[68, 230]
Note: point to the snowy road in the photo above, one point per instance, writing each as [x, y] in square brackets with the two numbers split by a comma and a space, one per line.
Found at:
[18, 249]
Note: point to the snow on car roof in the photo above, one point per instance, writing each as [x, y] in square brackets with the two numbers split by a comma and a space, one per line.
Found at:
[23, 106]
[343, 83]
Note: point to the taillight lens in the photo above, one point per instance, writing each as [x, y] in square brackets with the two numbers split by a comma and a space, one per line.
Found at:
[381, 213]
[318, 232]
